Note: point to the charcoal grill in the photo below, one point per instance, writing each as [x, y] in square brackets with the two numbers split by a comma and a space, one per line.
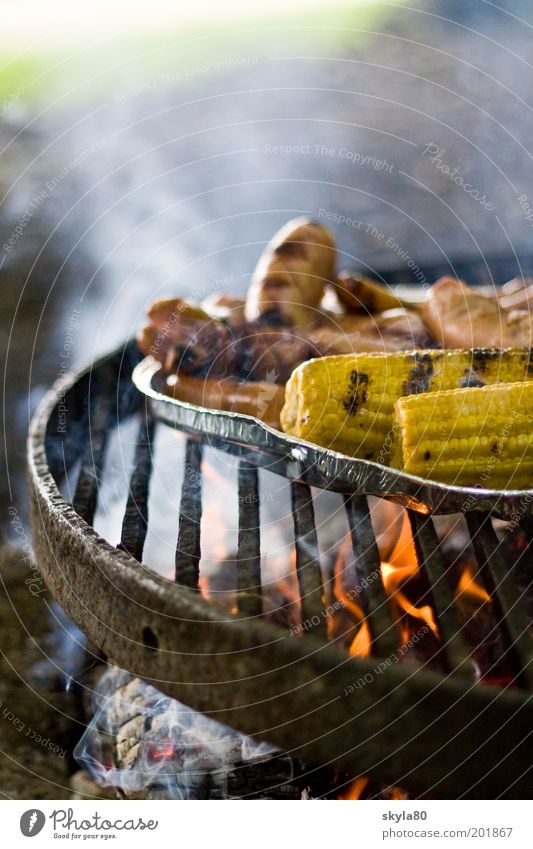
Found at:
[435, 733]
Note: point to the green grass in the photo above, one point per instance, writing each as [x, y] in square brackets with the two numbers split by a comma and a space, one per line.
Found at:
[121, 66]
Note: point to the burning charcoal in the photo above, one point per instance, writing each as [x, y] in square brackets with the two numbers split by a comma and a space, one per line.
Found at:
[147, 745]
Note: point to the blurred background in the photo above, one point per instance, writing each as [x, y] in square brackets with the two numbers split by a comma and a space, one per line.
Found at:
[149, 149]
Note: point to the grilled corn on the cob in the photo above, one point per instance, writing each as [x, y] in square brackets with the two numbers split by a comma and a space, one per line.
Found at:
[469, 436]
[347, 402]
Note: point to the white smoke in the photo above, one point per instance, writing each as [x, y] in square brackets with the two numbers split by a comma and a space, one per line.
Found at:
[173, 750]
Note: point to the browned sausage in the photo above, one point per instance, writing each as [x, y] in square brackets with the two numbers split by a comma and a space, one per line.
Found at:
[289, 281]
[260, 399]
[362, 294]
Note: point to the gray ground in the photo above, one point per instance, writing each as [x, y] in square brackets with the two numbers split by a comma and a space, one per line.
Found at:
[35, 726]
[180, 186]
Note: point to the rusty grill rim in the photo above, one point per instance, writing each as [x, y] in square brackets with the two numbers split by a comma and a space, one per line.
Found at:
[68, 550]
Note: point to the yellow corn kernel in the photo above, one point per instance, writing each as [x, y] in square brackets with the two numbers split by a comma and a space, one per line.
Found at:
[347, 402]
[496, 451]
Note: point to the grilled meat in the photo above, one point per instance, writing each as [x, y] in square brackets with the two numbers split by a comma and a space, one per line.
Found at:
[458, 316]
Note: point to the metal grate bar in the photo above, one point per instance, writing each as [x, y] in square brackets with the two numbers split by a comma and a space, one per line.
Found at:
[367, 561]
[526, 527]
[504, 593]
[93, 457]
[455, 650]
[249, 545]
[188, 547]
[307, 559]
[135, 522]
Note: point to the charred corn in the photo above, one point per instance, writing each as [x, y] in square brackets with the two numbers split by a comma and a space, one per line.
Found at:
[469, 437]
[347, 402]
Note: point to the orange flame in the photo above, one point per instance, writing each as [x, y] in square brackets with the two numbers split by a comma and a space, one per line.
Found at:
[470, 588]
[393, 578]
[216, 544]
[397, 794]
[355, 790]
[404, 554]
[395, 573]
[361, 645]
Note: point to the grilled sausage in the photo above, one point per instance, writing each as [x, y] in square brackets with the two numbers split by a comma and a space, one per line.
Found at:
[289, 281]
[362, 294]
[261, 399]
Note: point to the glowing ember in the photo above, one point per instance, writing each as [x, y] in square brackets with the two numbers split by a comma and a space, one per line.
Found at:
[158, 753]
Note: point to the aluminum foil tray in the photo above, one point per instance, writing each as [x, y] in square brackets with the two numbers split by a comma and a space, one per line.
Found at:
[297, 459]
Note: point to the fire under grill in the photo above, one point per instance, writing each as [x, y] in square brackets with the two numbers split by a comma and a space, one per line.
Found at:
[423, 683]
